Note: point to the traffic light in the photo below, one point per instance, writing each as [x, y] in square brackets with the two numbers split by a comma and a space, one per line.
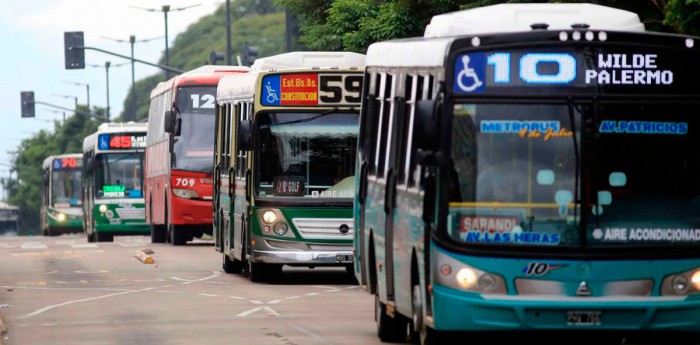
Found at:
[27, 103]
[248, 54]
[215, 56]
[75, 57]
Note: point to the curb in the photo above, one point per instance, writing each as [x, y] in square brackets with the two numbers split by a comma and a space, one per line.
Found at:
[143, 256]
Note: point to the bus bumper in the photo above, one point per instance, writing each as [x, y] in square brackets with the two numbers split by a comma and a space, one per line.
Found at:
[270, 252]
[192, 212]
[465, 311]
[124, 229]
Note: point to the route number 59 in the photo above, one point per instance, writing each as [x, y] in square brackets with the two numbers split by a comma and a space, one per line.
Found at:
[339, 88]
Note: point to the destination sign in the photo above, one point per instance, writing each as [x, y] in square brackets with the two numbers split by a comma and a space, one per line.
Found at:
[614, 70]
[311, 89]
[67, 163]
[121, 141]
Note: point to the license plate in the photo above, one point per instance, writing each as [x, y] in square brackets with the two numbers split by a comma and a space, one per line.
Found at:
[343, 258]
[115, 221]
[583, 318]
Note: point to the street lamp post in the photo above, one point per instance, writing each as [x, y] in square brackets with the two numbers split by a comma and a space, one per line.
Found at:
[67, 96]
[81, 84]
[132, 40]
[165, 9]
[107, 65]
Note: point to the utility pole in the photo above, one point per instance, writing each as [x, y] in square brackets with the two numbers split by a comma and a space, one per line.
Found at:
[228, 33]
[67, 96]
[165, 9]
[107, 66]
[81, 84]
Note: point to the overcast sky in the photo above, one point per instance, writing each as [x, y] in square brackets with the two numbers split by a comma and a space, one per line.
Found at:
[31, 33]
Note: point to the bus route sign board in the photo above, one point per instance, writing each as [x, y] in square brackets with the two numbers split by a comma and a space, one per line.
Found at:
[121, 141]
[66, 163]
[618, 69]
[311, 89]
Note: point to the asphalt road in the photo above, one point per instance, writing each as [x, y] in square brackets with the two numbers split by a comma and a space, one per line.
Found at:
[63, 290]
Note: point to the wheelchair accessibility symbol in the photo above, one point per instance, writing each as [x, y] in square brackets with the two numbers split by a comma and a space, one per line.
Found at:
[469, 73]
[271, 94]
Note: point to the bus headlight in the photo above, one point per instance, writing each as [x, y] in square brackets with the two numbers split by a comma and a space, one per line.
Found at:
[280, 228]
[185, 193]
[269, 217]
[103, 208]
[61, 217]
[452, 273]
[682, 283]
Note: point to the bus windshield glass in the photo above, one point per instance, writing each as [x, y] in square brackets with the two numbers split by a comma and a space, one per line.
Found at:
[646, 176]
[193, 148]
[65, 187]
[306, 154]
[119, 175]
[513, 178]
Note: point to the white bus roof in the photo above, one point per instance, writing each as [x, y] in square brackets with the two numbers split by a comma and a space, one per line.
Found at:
[206, 69]
[48, 160]
[308, 59]
[241, 86]
[113, 127]
[519, 17]
[430, 50]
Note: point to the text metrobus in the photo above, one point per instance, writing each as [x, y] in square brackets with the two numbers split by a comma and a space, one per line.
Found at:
[286, 141]
[179, 154]
[531, 180]
[112, 188]
[61, 202]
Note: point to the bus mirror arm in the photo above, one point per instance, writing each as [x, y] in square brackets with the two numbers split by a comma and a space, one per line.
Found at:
[429, 198]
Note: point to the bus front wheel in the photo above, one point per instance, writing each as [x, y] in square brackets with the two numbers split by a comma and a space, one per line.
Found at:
[389, 329]
[232, 266]
[260, 272]
[421, 333]
[102, 237]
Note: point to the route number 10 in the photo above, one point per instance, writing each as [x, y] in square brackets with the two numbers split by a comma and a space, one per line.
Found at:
[528, 68]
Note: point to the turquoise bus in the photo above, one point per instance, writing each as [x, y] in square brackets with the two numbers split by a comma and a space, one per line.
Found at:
[531, 167]
[286, 137]
[61, 204]
[112, 188]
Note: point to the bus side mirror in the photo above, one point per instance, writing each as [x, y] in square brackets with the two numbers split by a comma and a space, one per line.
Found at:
[244, 142]
[45, 178]
[425, 129]
[168, 122]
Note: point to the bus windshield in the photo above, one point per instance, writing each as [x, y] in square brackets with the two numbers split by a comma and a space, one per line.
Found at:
[306, 154]
[514, 174]
[65, 188]
[119, 175]
[193, 149]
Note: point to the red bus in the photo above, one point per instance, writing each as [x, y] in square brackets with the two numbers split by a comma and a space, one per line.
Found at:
[179, 154]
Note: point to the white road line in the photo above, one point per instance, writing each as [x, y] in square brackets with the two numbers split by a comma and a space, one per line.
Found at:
[238, 298]
[149, 280]
[333, 291]
[352, 287]
[214, 275]
[47, 308]
[64, 288]
[34, 245]
[313, 294]
[248, 312]
[167, 286]
[323, 287]
[256, 301]
[292, 297]
[274, 302]
[160, 291]
[208, 295]
[269, 312]
[84, 245]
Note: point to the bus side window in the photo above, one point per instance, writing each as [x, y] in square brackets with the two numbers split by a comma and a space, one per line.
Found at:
[384, 121]
[369, 121]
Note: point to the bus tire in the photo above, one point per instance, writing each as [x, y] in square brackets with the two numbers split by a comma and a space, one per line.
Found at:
[389, 329]
[157, 231]
[91, 237]
[260, 272]
[421, 333]
[177, 236]
[232, 266]
[102, 237]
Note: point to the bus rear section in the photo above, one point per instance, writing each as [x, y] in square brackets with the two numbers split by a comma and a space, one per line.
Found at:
[179, 155]
[61, 203]
[546, 190]
[113, 181]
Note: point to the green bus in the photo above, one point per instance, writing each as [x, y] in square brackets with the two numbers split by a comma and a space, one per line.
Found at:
[112, 188]
[284, 163]
[61, 210]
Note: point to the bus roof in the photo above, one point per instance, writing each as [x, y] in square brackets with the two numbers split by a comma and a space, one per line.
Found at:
[5, 206]
[204, 75]
[430, 50]
[113, 127]
[48, 160]
[308, 59]
[243, 85]
[520, 17]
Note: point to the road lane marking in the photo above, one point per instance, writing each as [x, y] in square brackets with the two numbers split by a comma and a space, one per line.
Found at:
[33, 245]
[268, 312]
[84, 245]
[256, 301]
[238, 298]
[53, 306]
[161, 291]
[292, 297]
[208, 295]
[333, 291]
[63, 288]
[313, 294]
[91, 271]
[31, 254]
[318, 337]
[274, 302]
[214, 275]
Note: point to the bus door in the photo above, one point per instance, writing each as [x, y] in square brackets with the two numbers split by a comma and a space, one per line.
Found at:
[216, 196]
[239, 184]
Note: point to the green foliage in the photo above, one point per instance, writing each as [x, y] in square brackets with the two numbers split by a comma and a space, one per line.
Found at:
[352, 25]
[24, 191]
[259, 23]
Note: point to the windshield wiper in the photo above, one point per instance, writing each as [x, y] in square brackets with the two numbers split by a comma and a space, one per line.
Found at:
[325, 113]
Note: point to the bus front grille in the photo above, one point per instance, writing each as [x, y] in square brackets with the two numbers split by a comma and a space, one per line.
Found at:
[131, 213]
[324, 228]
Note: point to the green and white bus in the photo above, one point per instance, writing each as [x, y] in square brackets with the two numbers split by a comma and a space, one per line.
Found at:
[112, 188]
[532, 167]
[285, 161]
[61, 204]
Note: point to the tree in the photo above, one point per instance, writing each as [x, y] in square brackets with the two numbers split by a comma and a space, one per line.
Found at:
[352, 25]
